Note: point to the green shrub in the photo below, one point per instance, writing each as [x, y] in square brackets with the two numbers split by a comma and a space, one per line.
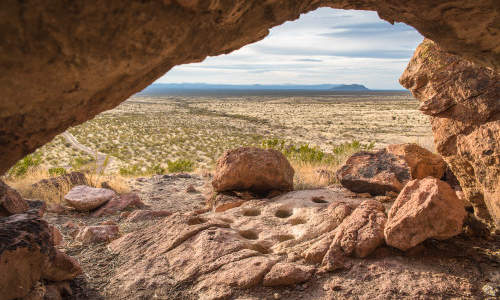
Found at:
[57, 171]
[156, 170]
[22, 166]
[180, 165]
[130, 170]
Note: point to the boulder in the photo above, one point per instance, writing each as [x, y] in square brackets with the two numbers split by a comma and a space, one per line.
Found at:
[374, 172]
[27, 254]
[282, 274]
[11, 201]
[422, 162]
[461, 98]
[253, 169]
[119, 203]
[97, 234]
[86, 198]
[425, 208]
[358, 235]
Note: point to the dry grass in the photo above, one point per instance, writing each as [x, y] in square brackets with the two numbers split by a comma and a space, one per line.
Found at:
[48, 193]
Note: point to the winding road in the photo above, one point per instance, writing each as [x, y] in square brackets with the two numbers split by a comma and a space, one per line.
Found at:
[101, 157]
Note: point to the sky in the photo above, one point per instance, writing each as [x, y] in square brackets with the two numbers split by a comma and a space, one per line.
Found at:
[324, 46]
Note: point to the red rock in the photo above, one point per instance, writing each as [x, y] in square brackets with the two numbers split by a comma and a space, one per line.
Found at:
[27, 254]
[374, 172]
[11, 201]
[287, 274]
[422, 162]
[57, 237]
[461, 98]
[119, 203]
[56, 208]
[97, 234]
[86, 198]
[358, 235]
[253, 169]
[426, 208]
[142, 215]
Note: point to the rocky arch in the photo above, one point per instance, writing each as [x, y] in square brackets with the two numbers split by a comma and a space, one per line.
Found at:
[63, 62]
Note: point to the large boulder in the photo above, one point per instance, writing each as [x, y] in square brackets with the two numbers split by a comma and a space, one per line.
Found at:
[374, 172]
[86, 198]
[425, 208]
[11, 202]
[27, 254]
[422, 162]
[253, 169]
[462, 100]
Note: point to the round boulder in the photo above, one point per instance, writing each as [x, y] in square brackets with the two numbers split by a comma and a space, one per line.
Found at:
[86, 198]
[253, 169]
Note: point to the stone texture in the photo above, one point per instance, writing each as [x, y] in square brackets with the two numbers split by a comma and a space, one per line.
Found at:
[462, 100]
[86, 198]
[67, 180]
[59, 73]
[119, 203]
[374, 172]
[143, 215]
[27, 254]
[358, 235]
[422, 162]
[97, 234]
[287, 274]
[253, 169]
[11, 201]
[425, 208]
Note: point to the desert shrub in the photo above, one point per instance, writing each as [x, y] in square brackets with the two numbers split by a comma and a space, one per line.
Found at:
[57, 171]
[156, 169]
[130, 170]
[299, 153]
[22, 166]
[79, 162]
[180, 165]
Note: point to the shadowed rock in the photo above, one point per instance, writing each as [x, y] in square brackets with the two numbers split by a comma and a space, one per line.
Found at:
[11, 201]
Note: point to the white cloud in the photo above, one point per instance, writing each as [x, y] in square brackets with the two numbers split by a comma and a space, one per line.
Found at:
[324, 46]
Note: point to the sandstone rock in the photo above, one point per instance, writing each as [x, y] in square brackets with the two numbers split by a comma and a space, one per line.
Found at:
[287, 274]
[11, 201]
[422, 162]
[224, 202]
[119, 203]
[56, 236]
[97, 234]
[253, 169]
[462, 101]
[374, 172]
[426, 208]
[27, 255]
[358, 235]
[85, 198]
[142, 215]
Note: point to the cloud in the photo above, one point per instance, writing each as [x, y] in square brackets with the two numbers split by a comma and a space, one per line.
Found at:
[324, 46]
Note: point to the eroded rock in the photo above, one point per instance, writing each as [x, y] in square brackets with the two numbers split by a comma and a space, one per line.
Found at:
[462, 101]
[287, 274]
[11, 202]
[27, 254]
[422, 162]
[426, 208]
[374, 172]
[253, 169]
[86, 198]
[97, 234]
[119, 203]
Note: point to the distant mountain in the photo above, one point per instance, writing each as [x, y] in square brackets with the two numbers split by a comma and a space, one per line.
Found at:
[160, 88]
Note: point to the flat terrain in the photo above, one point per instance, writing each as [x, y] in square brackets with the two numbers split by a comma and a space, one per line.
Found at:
[147, 131]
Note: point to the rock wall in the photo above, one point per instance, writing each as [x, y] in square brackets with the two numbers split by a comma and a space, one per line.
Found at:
[463, 102]
[64, 62]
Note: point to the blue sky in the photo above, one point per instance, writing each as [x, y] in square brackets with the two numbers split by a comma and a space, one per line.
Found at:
[323, 46]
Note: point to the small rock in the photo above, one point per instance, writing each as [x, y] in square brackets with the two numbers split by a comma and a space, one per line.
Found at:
[224, 202]
[37, 206]
[86, 198]
[282, 274]
[425, 208]
[11, 201]
[119, 203]
[97, 234]
[422, 162]
[191, 189]
[56, 236]
[364, 195]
